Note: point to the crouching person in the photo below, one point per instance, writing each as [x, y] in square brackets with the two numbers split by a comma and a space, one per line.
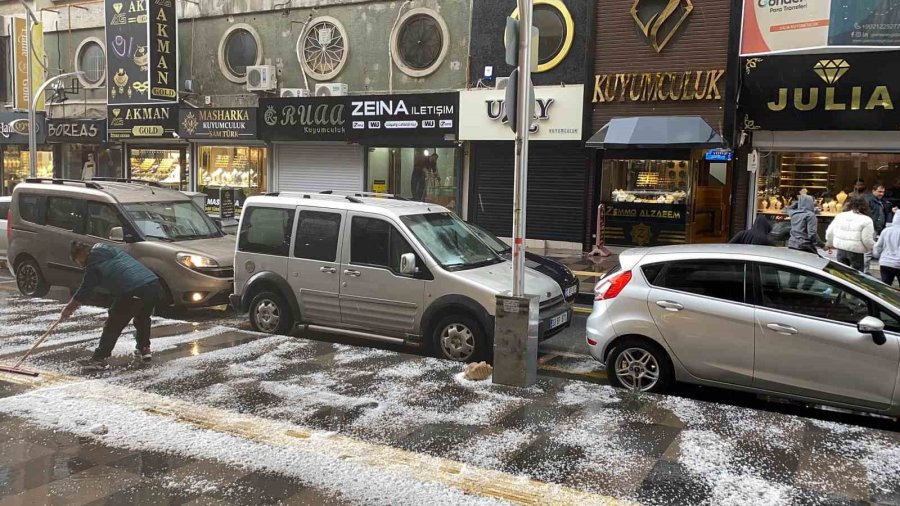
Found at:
[136, 291]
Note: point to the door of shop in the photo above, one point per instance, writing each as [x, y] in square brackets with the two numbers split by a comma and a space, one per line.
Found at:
[711, 212]
[318, 167]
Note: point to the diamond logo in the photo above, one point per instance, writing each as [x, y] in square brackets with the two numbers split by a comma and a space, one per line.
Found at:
[659, 21]
[117, 7]
[831, 71]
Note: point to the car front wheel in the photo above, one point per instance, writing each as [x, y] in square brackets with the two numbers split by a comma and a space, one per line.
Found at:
[269, 313]
[639, 366]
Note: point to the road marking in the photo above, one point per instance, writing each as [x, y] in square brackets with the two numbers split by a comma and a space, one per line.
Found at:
[467, 478]
[589, 274]
[582, 310]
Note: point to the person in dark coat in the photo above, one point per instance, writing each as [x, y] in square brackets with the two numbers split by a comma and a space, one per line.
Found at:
[136, 291]
[804, 226]
[757, 235]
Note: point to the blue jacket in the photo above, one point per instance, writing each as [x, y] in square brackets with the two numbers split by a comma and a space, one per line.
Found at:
[113, 270]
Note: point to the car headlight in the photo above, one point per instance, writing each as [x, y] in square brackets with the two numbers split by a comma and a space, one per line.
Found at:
[193, 261]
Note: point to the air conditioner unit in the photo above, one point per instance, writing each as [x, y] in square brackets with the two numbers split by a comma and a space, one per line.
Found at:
[332, 90]
[501, 83]
[261, 78]
[294, 92]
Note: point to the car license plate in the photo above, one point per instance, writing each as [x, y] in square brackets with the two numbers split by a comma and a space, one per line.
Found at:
[556, 321]
[571, 291]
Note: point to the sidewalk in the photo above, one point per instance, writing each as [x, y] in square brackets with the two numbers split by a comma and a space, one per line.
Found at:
[287, 416]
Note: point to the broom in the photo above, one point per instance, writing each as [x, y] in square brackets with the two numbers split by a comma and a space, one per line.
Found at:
[16, 369]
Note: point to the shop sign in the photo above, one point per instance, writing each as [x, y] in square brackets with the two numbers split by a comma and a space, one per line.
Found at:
[76, 131]
[141, 51]
[219, 123]
[226, 203]
[425, 114]
[852, 91]
[659, 86]
[660, 21]
[163, 51]
[14, 128]
[143, 121]
[772, 26]
[557, 114]
[719, 155]
[304, 119]
[21, 87]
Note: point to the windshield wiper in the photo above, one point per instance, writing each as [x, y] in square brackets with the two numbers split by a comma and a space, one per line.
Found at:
[161, 238]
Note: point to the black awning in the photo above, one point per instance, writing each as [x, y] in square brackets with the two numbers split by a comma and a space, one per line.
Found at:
[650, 132]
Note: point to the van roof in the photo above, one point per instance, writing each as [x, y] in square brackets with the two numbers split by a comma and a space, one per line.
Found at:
[383, 204]
[122, 191]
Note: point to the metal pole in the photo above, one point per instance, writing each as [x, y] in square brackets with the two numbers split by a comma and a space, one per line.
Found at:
[32, 123]
[521, 160]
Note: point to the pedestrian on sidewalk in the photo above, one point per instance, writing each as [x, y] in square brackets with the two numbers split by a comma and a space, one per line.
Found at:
[887, 251]
[757, 235]
[136, 291]
[804, 226]
[852, 234]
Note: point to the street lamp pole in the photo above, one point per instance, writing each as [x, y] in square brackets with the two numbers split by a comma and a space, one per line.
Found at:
[523, 117]
[29, 75]
[32, 125]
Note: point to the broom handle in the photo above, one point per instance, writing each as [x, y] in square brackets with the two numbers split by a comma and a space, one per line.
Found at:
[38, 343]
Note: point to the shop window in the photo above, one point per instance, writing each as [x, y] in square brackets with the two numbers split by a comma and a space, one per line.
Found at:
[90, 58]
[267, 231]
[556, 32]
[75, 157]
[164, 166]
[239, 167]
[420, 42]
[323, 48]
[239, 48]
[422, 174]
[16, 168]
[647, 181]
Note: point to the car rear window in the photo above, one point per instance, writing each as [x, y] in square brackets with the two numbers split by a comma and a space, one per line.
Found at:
[651, 271]
[32, 208]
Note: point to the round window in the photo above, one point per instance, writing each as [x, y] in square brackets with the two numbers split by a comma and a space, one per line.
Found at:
[239, 48]
[323, 48]
[420, 42]
[555, 31]
[90, 58]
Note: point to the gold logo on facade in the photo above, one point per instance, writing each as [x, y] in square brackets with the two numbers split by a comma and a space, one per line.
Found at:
[641, 234]
[831, 71]
[663, 19]
[190, 123]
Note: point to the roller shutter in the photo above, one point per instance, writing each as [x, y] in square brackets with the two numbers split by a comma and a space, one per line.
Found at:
[318, 167]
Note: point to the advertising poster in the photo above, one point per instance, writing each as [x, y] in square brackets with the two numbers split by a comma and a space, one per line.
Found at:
[127, 56]
[773, 26]
[22, 93]
[163, 51]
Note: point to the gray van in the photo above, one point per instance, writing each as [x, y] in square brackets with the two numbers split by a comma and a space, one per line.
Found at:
[381, 268]
[164, 229]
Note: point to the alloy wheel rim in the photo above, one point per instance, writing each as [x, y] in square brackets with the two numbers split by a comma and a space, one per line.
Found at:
[458, 342]
[267, 316]
[637, 369]
[28, 279]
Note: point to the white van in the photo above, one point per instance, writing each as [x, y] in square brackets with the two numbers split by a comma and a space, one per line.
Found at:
[377, 267]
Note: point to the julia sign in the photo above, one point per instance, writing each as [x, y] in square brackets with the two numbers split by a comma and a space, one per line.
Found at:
[850, 91]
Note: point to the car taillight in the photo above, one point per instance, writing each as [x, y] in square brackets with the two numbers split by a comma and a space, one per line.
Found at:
[610, 287]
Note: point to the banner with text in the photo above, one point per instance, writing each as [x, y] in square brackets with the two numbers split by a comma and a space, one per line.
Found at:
[237, 123]
[22, 88]
[557, 114]
[76, 131]
[143, 121]
[427, 117]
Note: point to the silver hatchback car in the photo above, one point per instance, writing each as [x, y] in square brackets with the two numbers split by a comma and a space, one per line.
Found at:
[753, 318]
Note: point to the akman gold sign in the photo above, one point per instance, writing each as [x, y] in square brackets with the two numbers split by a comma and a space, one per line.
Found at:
[658, 86]
[659, 20]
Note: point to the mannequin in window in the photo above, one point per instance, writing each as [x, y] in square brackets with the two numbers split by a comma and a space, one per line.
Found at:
[418, 182]
[89, 169]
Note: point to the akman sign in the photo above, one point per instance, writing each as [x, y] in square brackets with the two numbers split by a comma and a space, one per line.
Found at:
[851, 91]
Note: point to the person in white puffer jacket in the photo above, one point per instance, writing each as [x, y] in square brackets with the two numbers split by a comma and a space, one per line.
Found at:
[852, 234]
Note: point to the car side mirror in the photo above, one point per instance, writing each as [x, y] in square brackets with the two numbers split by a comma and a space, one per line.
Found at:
[117, 234]
[408, 264]
[874, 326]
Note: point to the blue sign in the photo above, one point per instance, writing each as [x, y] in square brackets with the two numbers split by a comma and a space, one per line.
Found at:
[719, 155]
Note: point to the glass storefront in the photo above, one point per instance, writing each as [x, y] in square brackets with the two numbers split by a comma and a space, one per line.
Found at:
[107, 162]
[16, 166]
[167, 166]
[239, 167]
[830, 178]
[424, 174]
[666, 201]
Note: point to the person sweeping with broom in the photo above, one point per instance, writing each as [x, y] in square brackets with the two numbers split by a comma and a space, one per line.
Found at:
[136, 291]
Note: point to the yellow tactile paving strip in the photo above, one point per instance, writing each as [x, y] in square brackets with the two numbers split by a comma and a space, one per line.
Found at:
[425, 468]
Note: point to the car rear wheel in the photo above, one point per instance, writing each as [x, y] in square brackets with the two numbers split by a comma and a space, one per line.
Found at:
[459, 337]
[639, 366]
[269, 313]
[30, 279]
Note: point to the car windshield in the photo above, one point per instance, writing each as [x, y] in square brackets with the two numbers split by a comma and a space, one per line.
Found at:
[171, 221]
[490, 239]
[450, 241]
[863, 282]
